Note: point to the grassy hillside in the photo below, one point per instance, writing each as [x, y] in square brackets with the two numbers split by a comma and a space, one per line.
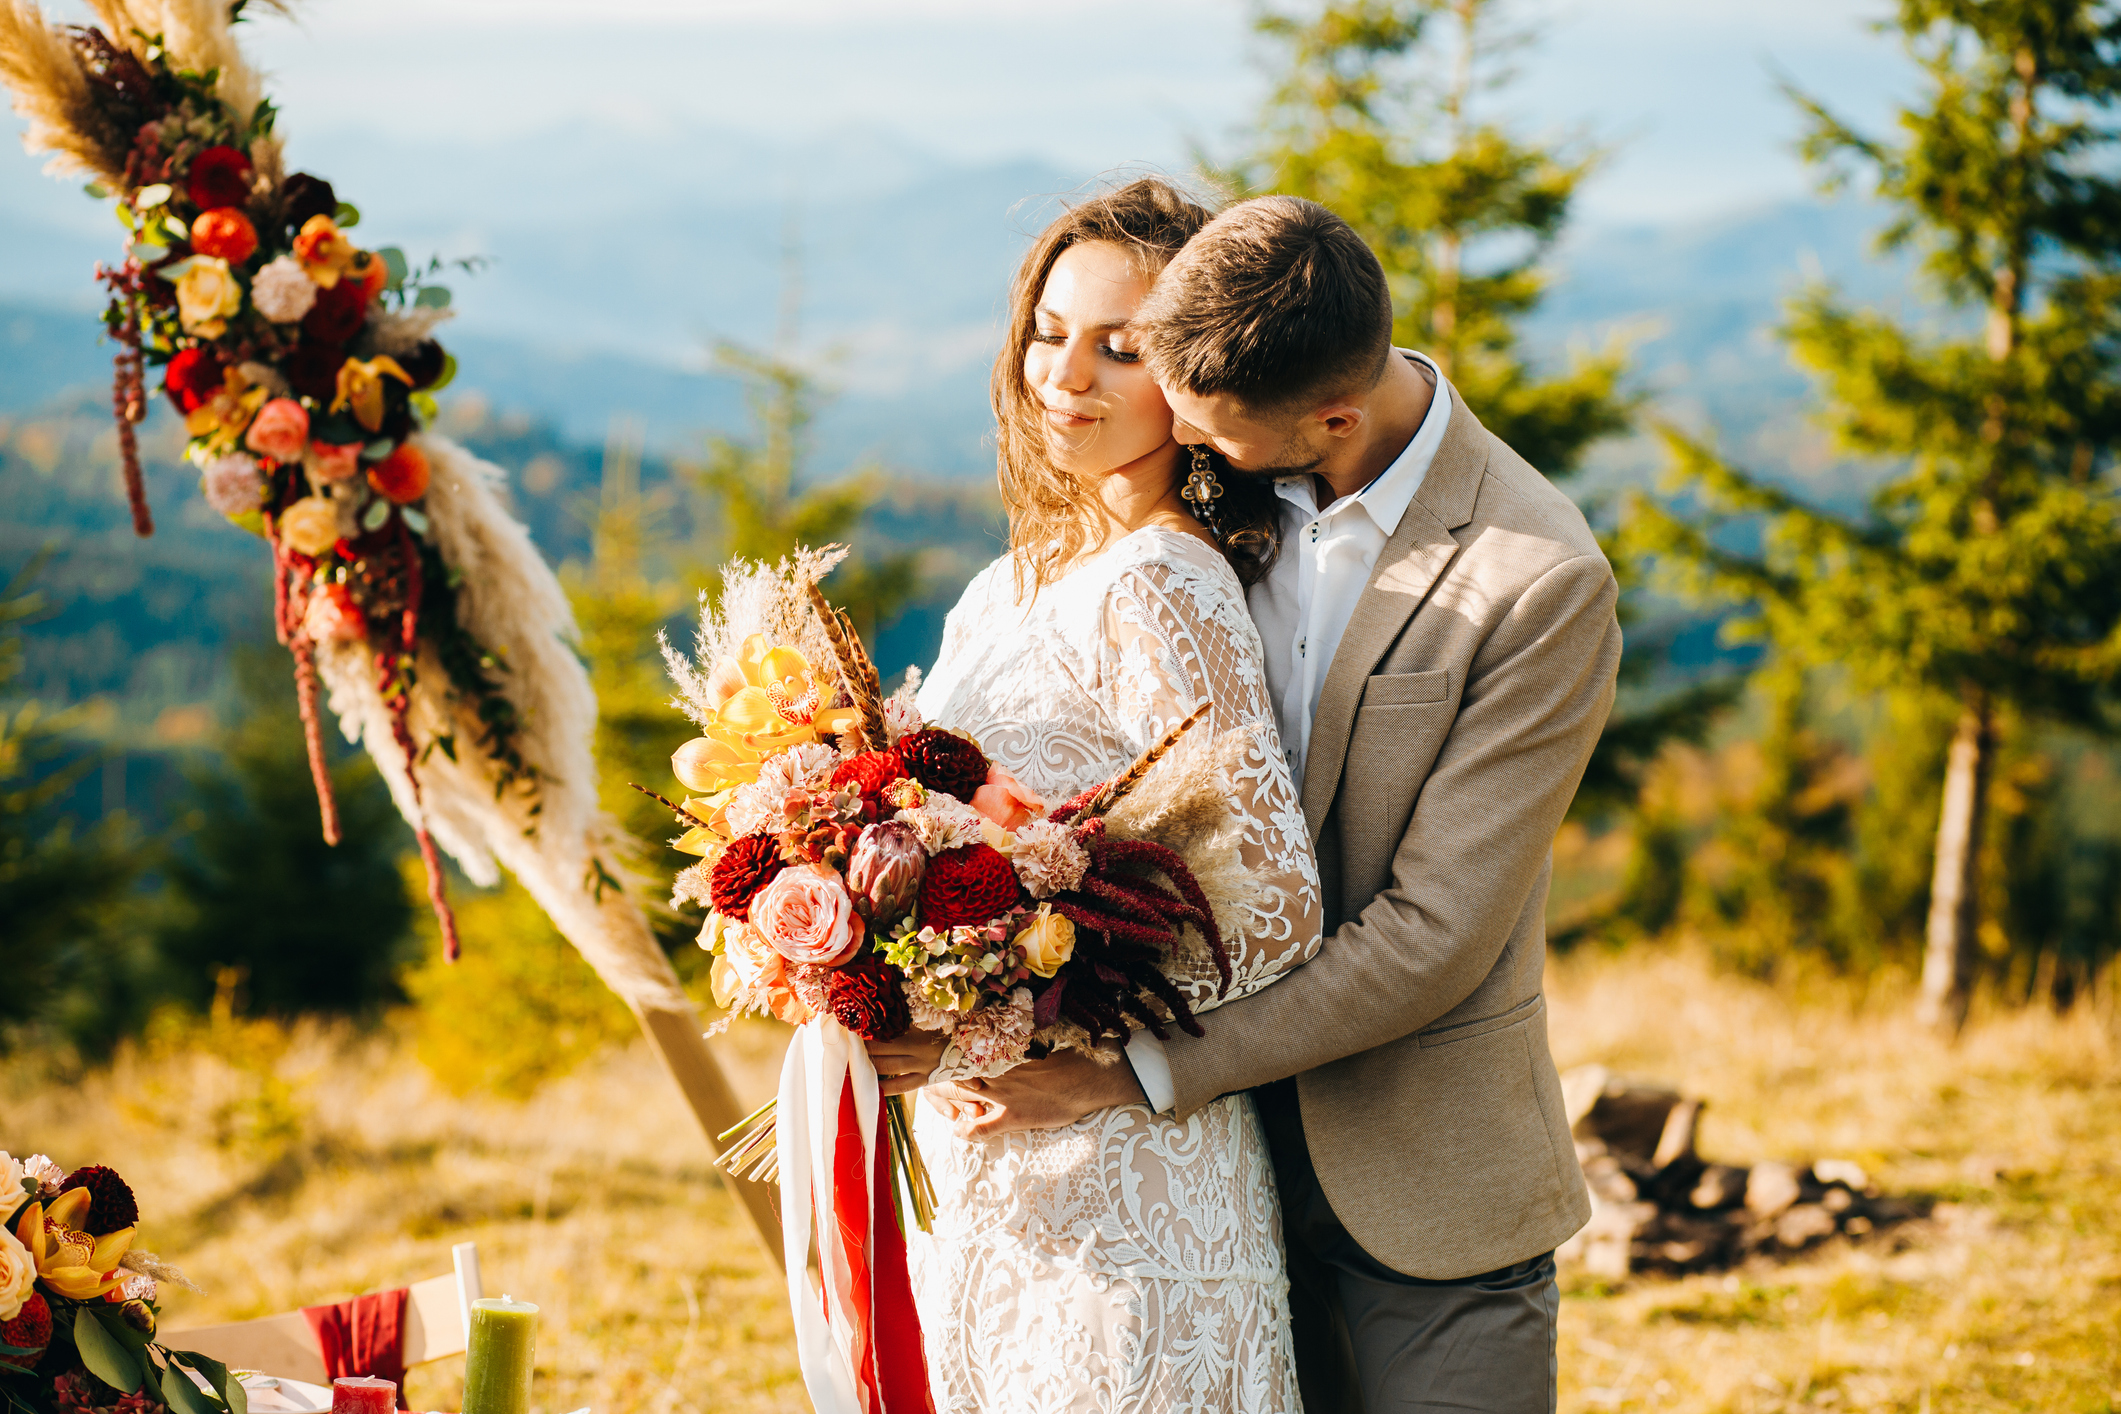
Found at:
[284, 1167]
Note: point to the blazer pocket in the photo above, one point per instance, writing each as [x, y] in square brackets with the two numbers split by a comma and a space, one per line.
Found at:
[1466, 1030]
[1407, 689]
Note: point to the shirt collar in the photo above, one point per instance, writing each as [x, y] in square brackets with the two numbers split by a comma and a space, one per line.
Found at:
[1386, 498]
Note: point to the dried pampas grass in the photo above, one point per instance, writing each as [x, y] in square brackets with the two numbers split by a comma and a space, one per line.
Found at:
[42, 69]
[569, 854]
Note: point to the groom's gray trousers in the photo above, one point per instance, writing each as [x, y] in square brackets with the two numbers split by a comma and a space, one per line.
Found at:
[1371, 1340]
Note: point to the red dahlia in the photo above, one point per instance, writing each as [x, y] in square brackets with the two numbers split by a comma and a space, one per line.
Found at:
[31, 1330]
[747, 866]
[943, 761]
[110, 1201]
[192, 378]
[869, 772]
[338, 313]
[866, 998]
[967, 887]
[220, 176]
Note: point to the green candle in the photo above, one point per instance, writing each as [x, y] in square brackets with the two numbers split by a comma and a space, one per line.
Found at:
[497, 1358]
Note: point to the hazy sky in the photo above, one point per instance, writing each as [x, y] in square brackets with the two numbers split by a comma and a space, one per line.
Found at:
[1683, 89]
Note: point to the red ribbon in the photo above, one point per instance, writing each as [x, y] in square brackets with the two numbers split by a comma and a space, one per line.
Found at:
[890, 1369]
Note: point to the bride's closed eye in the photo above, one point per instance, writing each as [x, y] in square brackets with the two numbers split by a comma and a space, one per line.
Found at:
[1116, 355]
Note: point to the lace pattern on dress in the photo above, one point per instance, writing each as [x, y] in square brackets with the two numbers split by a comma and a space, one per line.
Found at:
[1128, 1261]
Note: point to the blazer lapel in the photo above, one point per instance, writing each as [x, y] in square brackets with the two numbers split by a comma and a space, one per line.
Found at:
[1408, 567]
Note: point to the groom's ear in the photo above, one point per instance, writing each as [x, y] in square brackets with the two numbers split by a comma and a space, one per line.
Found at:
[1337, 419]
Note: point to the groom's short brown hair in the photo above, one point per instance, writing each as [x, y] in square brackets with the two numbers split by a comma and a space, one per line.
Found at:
[1275, 300]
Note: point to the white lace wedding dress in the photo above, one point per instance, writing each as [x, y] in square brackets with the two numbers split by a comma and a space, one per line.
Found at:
[1128, 1262]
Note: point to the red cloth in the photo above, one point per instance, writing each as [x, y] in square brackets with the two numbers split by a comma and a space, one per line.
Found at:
[890, 1371]
[364, 1336]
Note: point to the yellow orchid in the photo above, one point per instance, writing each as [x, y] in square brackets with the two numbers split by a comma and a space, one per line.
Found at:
[222, 418]
[764, 700]
[361, 388]
[70, 1262]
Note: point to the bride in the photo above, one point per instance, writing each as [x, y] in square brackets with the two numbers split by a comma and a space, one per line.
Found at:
[1129, 1261]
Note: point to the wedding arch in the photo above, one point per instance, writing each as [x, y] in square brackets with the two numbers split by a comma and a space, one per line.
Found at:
[414, 606]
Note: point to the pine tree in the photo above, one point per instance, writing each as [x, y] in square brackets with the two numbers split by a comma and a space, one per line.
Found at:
[1988, 565]
[1460, 213]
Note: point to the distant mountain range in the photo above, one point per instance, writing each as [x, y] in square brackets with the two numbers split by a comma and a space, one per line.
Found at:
[618, 261]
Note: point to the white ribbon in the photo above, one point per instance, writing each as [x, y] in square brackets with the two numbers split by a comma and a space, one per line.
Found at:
[821, 1058]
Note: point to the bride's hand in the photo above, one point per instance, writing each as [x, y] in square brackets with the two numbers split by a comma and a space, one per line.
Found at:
[905, 1064]
[1047, 1094]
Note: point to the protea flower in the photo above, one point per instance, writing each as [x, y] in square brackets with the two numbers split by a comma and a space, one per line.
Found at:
[884, 871]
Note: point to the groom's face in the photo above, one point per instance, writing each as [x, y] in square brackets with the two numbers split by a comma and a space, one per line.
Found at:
[1253, 442]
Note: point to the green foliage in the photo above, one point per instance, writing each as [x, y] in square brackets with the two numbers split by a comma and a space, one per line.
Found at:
[313, 927]
[1986, 573]
[517, 1009]
[1460, 213]
[66, 949]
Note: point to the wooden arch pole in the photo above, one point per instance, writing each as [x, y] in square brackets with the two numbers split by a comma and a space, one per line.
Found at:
[680, 1043]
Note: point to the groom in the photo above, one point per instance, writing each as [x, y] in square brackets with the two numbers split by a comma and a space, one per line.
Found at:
[1441, 648]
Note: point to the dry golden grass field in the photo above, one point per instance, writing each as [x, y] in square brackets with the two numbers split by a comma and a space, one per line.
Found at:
[282, 1169]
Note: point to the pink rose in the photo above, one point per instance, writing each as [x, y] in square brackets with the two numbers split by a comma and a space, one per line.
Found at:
[279, 431]
[808, 917]
[1004, 800]
[329, 463]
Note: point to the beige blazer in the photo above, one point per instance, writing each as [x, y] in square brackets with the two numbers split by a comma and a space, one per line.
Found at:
[1453, 727]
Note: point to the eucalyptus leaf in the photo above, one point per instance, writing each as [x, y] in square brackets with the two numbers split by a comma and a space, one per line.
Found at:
[175, 226]
[148, 252]
[181, 1394]
[348, 215]
[106, 1359]
[393, 266]
[425, 405]
[97, 190]
[147, 198]
[414, 520]
[125, 217]
[6, 1349]
[378, 511]
[433, 297]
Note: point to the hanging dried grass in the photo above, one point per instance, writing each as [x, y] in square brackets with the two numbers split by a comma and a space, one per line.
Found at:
[43, 71]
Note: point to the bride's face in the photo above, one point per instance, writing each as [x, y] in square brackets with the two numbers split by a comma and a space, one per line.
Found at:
[1102, 409]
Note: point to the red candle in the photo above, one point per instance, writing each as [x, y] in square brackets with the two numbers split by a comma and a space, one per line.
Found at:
[358, 1394]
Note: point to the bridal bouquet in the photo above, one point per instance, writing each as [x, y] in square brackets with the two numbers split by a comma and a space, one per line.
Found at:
[77, 1303]
[865, 874]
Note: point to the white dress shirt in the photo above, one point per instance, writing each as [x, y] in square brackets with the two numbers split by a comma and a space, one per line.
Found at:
[1302, 608]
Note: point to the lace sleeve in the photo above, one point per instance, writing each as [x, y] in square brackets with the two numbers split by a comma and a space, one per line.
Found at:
[1175, 633]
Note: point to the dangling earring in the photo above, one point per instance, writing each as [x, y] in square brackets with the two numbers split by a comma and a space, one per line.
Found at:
[1201, 488]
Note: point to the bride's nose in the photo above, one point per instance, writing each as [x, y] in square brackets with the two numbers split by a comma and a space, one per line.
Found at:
[1074, 366]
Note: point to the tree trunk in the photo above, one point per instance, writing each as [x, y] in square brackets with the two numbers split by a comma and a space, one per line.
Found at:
[1949, 956]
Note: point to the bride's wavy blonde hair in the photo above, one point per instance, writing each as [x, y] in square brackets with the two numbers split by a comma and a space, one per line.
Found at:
[1051, 511]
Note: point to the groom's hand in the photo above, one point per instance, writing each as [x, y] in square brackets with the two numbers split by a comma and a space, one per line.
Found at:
[1045, 1094]
[903, 1065]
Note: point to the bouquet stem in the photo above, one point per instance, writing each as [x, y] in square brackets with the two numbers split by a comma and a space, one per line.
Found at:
[752, 1154]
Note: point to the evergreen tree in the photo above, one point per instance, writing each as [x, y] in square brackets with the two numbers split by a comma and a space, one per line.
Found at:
[1460, 213]
[1988, 566]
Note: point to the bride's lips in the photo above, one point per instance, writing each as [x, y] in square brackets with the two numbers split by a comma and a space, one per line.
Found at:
[1067, 421]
